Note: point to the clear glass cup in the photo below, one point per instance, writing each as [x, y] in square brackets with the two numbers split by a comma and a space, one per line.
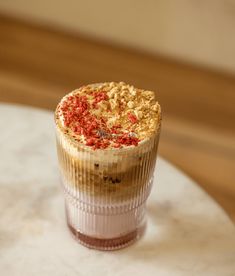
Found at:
[106, 190]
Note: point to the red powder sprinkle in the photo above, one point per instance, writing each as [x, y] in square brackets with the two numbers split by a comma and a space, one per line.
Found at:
[132, 118]
[90, 141]
[127, 140]
[115, 129]
[94, 105]
[116, 145]
[77, 116]
[100, 96]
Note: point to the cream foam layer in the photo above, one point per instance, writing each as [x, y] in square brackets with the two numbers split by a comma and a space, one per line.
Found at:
[125, 158]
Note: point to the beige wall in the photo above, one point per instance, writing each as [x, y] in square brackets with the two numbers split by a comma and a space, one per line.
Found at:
[200, 31]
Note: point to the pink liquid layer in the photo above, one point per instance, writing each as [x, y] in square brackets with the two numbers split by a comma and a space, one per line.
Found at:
[105, 231]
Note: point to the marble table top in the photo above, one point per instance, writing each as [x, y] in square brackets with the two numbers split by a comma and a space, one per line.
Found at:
[187, 232]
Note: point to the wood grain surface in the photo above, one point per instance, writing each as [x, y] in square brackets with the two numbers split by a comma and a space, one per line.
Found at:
[39, 65]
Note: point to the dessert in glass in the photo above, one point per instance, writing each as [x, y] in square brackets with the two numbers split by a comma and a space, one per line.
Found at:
[107, 138]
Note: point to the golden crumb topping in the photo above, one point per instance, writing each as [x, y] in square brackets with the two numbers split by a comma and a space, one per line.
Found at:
[110, 114]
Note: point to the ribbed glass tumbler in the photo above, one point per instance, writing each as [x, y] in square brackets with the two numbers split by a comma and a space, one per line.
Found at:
[106, 190]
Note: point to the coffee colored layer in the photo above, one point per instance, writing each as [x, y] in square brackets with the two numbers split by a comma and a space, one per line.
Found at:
[104, 178]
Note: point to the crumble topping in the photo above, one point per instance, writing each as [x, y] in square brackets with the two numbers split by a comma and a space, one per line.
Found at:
[109, 115]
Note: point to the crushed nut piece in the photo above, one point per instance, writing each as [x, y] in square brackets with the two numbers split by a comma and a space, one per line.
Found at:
[130, 104]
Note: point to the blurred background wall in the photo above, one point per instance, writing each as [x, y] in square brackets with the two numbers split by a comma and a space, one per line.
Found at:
[198, 31]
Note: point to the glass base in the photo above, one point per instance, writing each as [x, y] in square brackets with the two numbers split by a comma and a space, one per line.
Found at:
[107, 244]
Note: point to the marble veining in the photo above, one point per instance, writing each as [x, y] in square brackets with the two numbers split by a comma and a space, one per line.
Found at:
[187, 232]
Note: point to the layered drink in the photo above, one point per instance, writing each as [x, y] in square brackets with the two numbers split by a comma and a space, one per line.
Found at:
[107, 139]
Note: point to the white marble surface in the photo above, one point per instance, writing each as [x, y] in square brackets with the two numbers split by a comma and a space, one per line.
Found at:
[187, 232]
